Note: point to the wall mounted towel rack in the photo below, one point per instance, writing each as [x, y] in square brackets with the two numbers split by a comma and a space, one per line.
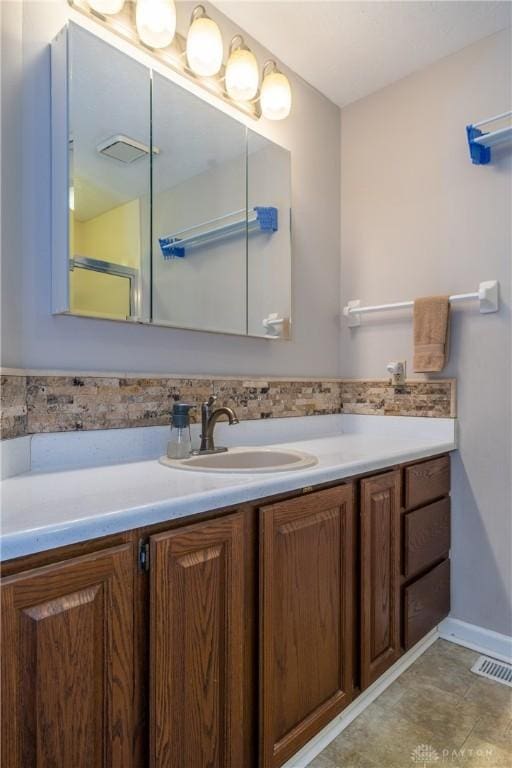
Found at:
[480, 142]
[260, 218]
[487, 295]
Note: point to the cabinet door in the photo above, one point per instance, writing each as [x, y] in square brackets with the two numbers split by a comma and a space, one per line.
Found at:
[380, 575]
[196, 656]
[306, 615]
[67, 663]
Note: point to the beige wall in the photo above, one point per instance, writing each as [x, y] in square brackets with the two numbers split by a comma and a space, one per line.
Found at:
[417, 218]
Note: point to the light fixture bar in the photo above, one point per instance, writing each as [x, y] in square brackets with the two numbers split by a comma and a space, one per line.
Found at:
[122, 25]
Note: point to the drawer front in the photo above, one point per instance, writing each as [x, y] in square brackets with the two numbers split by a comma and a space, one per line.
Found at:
[426, 602]
[426, 536]
[427, 481]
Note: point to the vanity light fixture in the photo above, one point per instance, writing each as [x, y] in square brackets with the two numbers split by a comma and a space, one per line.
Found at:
[276, 94]
[204, 44]
[156, 22]
[106, 7]
[242, 76]
[151, 24]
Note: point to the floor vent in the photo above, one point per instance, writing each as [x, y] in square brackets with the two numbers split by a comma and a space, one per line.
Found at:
[499, 671]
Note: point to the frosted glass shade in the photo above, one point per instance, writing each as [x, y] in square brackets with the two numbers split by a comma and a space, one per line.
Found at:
[106, 7]
[276, 96]
[156, 22]
[204, 47]
[242, 75]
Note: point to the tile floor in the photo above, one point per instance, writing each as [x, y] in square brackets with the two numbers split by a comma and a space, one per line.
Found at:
[438, 713]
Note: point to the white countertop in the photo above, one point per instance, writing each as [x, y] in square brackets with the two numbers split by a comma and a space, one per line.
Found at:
[48, 507]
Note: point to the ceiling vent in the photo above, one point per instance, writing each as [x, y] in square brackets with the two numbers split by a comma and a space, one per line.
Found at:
[124, 149]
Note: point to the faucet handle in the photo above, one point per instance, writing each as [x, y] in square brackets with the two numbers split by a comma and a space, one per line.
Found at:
[206, 408]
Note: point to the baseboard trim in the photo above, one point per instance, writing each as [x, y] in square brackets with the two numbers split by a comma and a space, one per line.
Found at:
[477, 638]
[319, 742]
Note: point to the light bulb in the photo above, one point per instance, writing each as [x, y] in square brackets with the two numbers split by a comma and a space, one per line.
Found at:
[276, 96]
[71, 198]
[242, 75]
[156, 22]
[204, 45]
[106, 7]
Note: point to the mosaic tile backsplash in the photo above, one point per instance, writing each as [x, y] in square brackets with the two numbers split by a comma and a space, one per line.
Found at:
[415, 398]
[51, 403]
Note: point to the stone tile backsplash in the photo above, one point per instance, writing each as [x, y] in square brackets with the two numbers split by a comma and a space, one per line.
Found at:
[272, 398]
[68, 403]
[13, 406]
[415, 398]
[63, 403]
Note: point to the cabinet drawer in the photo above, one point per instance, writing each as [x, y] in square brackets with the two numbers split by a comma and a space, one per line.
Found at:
[426, 602]
[427, 481]
[426, 536]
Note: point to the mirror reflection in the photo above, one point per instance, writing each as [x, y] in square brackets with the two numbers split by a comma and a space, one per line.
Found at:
[269, 250]
[109, 179]
[199, 213]
[178, 214]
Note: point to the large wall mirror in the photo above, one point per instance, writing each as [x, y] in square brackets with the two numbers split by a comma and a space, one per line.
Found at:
[175, 213]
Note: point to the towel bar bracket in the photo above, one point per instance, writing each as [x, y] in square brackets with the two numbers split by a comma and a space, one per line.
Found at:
[480, 141]
[487, 295]
[354, 318]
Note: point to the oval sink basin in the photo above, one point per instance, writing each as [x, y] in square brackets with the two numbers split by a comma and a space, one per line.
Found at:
[246, 460]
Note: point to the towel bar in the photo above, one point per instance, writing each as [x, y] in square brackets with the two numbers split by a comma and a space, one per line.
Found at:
[487, 295]
[260, 218]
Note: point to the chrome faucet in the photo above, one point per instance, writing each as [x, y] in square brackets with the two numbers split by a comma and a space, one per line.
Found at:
[209, 419]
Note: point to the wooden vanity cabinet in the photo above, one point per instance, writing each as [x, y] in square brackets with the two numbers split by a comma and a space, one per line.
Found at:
[234, 640]
[68, 663]
[425, 546]
[380, 575]
[425, 481]
[307, 591]
[198, 619]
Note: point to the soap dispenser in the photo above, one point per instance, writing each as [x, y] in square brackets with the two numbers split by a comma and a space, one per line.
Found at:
[180, 442]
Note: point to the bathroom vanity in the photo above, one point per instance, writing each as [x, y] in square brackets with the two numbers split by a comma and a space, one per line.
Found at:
[226, 638]
[175, 602]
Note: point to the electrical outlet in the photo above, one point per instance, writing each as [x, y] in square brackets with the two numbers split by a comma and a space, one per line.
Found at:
[397, 369]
